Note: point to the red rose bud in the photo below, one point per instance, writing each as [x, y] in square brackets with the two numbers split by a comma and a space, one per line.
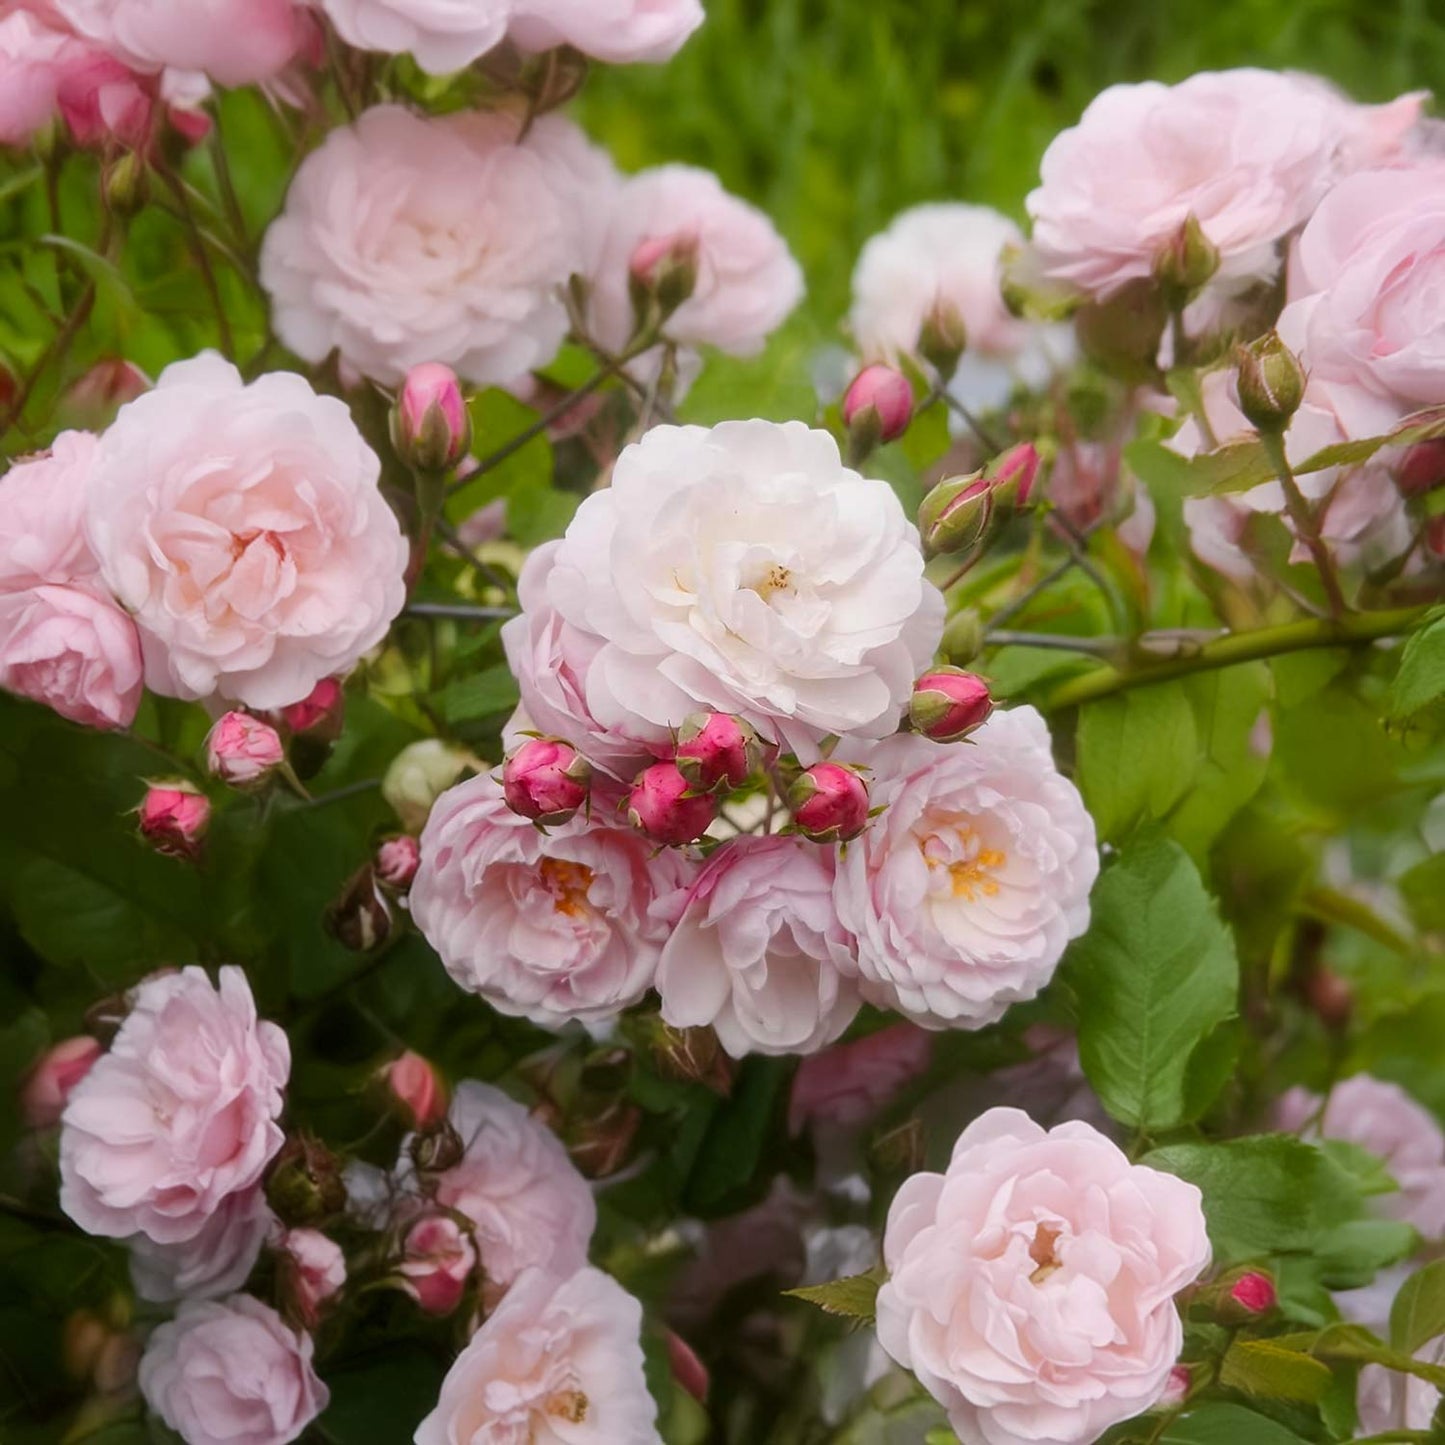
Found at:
[943, 338]
[1270, 382]
[1422, 468]
[437, 1261]
[396, 862]
[956, 514]
[1013, 475]
[242, 750]
[877, 407]
[662, 274]
[47, 1086]
[430, 428]
[1254, 1293]
[1188, 259]
[948, 704]
[173, 819]
[663, 806]
[320, 714]
[416, 1089]
[829, 803]
[546, 780]
[717, 752]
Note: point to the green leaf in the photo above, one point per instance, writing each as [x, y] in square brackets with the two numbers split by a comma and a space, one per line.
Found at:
[384, 1398]
[1233, 468]
[1417, 696]
[1356, 1343]
[1351, 1255]
[1418, 1313]
[1138, 752]
[1262, 1368]
[854, 1297]
[493, 690]
[1222, 1423]
[1418, 427]
[727, 1162]
[1423, 889]
[1154, 976]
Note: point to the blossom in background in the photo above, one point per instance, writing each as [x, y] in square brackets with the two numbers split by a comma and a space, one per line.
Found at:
[558, 1361]
[242, 527]
[759, 953]
[179, 1115]
[440, 35]
[621, 32]
[550, 926]
[408, 239]
[1032, 1284]
[313, 1269]
[848, 1083]
[965, 891]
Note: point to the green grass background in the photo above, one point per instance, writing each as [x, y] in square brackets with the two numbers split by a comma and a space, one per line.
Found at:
[836, 114]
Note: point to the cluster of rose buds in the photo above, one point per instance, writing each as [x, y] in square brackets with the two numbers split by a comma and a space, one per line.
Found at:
[960, 514]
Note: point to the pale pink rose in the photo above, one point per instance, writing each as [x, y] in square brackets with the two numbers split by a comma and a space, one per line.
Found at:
[179, 1115]
[1032, 1285]
[759, 953]
[528, 1204]
[437, 1262]
[621, 32]
[1247, 153]
[1384, 1119]
[440, 35]
[213, 1263]
[558, 1363]
[744, 569]
[966, 890]
[241, 749]
[234, 42]
[409, 239]
[314, 1269]
[42, 502]
[30, 57]
[550, 926]
[849, 1083]
[49, 1083]
[243, 528]
[230, 1372]
[747, 279]
[1365, 311]
[1388, 1401]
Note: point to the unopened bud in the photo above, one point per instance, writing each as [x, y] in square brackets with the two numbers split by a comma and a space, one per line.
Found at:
[943, 338]
[664, 807]
[956, 514]
[948, 704]
[601, 1145]
[312, 1271]
[962, 639]
[1176, 1388]
[692, 1056]
[123, 184]
[1188, 259]
[829, 802]
[174, 817]
[1123, 333]
[1270, 382]
[1422, 468]
[877, 407]
[717, 752]
[48, 1084]
[416, 1090]
[437, 1148]
[396, 862]
[437, 1263]
[320, 714]
[662, 274]
[360, 919]
[1013, 474]
[1251, 1293]
[303, 1185]
[93, 401]
[419, 775]
[430, 428]
[687, 1369]
[1330, 996]
[243, 751]
[900, 1150]
[546, 780]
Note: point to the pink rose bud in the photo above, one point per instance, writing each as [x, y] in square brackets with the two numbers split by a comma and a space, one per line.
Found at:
[546, 780]
[94, 400]
[1013, 475]
[416, 1089]
[663, 806]
[173, 818]
[956, 515]
[430, 428]
[662, 274]
[829, 803]
[948, 704]
[1254, 1293]
[397, 861]
[319, 714]
[717, 752]
[943, 338]
[1270, 382]
[313, 1271]
[437, 1261]
[879, 404]
[687, 1369]
[242, 750]
[48, 1084]
[1176, 1388]
[1422, 468]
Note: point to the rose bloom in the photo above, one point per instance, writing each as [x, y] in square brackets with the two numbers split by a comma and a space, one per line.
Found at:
[528, 1204]
[440, 35]
[759, 953]
[966, 890]
[314, 1268]
[230, 1372]
[63, 641]
[234, 42]
[1247, 153]
[1384, 1119]
[179, 1115]
[548, 926]
[217, 1261]
[243, 528]
[1031, 1285]
[1388, 1401]
[849, 1083]
[1366, 311]
[558, 1363]
[408, 239]
[747, 279]
[621, 32]
[744, 569]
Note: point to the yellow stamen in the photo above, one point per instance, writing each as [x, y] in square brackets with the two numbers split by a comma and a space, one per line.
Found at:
[568, 883]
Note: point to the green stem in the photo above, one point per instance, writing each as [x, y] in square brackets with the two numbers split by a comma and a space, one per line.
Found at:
[1056, 641]
[459, 611]
[1302, 514]
[1239, 647]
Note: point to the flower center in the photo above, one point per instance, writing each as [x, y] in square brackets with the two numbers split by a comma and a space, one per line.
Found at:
[569, 1405]
[968, 863]
[568, 883]
[1043, 1250]
[776, 578]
